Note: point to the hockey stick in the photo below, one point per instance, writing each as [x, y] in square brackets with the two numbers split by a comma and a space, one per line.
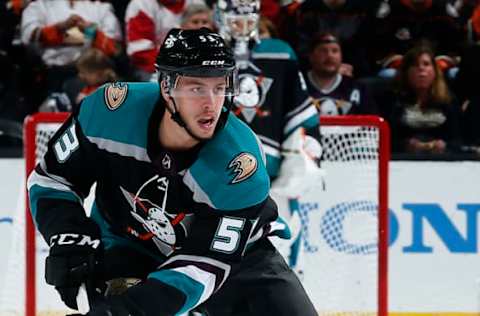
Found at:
[82, 300]
[86, 288]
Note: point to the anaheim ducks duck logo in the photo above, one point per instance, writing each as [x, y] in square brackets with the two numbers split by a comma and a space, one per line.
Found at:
[242, 166]
[166, 229]
[253, 91]
[115, 94]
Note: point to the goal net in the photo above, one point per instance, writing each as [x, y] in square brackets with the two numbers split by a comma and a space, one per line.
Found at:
[344, 225]
[342, 215]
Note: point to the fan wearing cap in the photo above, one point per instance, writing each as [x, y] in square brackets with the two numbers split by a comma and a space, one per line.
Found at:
[182, 198]
[335, 92]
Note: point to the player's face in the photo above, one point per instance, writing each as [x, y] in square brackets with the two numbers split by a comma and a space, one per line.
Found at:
[422, 74]
[242, 26]
[199, 102]
[326, 59]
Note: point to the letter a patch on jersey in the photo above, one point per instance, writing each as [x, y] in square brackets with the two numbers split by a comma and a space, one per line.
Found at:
[242, 166]
[115, 94]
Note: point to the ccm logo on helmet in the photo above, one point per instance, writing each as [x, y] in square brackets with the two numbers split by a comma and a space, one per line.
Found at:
[74, 239]
[213, 62]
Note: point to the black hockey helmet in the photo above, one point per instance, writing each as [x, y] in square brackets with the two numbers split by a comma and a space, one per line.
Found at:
[195, 53]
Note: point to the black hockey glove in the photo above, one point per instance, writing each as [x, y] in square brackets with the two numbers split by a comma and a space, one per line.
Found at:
[72, 260]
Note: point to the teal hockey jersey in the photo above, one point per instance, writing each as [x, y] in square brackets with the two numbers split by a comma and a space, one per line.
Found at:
[197, 212]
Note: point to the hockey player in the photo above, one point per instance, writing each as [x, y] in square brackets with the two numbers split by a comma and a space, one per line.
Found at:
[273, 98]
[273, 101]
[182, 198]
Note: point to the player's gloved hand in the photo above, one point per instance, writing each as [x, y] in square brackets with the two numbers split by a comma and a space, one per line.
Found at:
[72, 259]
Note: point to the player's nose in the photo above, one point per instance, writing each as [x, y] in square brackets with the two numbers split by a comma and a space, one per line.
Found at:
[208, 99]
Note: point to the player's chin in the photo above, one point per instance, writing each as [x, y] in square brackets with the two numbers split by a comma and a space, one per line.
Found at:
[203, 136]
[204, 133]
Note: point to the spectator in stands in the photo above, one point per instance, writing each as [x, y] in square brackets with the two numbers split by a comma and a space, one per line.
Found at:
[266, 28]
[347, 19]
[147, 22]
[61, 30]
[197, 16]
[466, 83]
[94, 69]
[400, 24]
[12, 101]
[330, 82]
[424, 116]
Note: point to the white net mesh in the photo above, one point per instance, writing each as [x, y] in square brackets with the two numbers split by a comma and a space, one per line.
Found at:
[43, 134]
[339, 215]
[341, 224]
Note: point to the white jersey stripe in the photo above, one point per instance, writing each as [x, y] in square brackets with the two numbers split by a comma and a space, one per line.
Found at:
[269, 141]
[305, 104]
[203, 277]
[215, 263]
[297, 120]
[36, 179]
[271, 151]
[55, 177]
[122, 149]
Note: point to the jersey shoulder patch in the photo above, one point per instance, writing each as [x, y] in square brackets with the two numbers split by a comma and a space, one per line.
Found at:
[230, 172]
[242, 167]
[119, 111]
[115, 94]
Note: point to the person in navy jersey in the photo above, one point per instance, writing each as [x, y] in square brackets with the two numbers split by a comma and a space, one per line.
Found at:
[331, 83]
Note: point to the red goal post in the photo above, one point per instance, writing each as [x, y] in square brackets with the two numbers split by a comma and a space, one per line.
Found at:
[384, 150]
[30, 153]
[34, 123]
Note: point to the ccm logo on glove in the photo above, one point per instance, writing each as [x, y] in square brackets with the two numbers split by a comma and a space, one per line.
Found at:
[74, 239]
